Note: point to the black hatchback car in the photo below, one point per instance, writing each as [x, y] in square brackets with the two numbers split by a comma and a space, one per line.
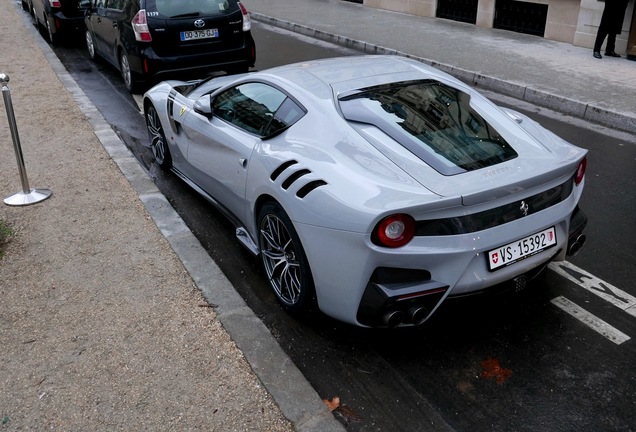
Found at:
[148, 40]
[57, 17]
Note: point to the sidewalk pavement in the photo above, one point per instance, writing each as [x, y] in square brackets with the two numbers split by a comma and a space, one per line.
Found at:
[555, 75]
[105, 295]
[104, 292]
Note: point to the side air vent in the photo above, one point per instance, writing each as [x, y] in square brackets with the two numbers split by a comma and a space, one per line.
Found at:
[295, 176]
[281, 168]
[303, 191]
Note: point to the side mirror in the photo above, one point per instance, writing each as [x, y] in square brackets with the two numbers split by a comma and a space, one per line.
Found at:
[203, 106]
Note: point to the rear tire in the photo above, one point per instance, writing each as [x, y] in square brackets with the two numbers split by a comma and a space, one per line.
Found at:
[284, 260]
[90, 44]
[49, 31]
[127, 74]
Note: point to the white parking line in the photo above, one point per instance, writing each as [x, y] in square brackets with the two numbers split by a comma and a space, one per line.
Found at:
[606, 291]
[590, 320]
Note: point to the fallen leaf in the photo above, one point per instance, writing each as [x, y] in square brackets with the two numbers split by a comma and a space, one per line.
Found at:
[333, 403]
[492, 369]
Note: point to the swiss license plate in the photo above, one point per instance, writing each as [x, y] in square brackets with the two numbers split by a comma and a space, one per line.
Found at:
[199, 34]
[520, 249]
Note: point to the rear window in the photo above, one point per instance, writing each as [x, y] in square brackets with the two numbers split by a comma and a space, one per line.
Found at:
[192, 8]
[433, 121]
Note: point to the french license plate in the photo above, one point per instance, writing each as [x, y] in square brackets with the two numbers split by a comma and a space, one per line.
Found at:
[520, 249]
[199, 34]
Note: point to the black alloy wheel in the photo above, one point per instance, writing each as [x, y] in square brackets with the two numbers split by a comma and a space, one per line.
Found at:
[284, 260]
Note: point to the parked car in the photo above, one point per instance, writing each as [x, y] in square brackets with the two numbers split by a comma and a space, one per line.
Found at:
[58, 18]
[154, 39]
[27, 6]
[373, 187]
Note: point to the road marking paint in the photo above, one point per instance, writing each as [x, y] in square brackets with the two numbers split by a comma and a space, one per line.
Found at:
[593, 322]
[606, 291]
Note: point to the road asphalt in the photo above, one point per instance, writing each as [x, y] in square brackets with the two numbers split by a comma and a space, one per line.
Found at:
[113, 315]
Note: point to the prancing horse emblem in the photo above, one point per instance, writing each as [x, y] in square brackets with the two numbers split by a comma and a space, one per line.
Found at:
[524, 208]
[199, 23]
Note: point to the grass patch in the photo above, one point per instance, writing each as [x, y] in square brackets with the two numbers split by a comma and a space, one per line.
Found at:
[5, 234]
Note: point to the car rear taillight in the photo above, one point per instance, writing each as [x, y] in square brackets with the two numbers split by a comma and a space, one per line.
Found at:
[580, 172]
[140, 27]
[394, 231]
[56, 3]
[247, 23]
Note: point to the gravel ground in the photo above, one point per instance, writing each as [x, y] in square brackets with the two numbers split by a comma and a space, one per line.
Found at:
[101, 327]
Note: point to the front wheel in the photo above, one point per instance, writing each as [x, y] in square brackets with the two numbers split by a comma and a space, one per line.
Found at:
[157, 137]
[284, 260]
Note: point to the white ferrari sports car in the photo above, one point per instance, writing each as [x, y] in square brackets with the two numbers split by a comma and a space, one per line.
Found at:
[373, 187]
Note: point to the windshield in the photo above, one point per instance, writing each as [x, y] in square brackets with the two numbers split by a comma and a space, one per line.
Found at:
[192, 8]
[433, 121]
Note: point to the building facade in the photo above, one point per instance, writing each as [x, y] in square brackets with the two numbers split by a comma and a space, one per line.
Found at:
[570, 21]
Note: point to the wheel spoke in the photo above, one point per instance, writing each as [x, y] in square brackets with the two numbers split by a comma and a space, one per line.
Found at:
[290, 282]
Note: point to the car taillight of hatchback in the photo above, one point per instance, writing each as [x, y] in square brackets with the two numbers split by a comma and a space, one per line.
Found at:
[247, 23]
[140, 27]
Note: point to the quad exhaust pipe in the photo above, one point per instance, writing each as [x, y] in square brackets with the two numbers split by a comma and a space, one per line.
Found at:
[416, 315]
[393, 318]
[575, 246]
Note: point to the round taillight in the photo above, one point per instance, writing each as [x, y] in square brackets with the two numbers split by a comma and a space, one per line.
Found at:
[394, 231]
[580, 172]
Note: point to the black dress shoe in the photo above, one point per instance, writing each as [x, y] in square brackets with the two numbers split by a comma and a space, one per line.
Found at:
[597, 55]
[612, 54]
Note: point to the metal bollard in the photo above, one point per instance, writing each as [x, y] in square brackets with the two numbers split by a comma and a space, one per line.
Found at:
[27, 196]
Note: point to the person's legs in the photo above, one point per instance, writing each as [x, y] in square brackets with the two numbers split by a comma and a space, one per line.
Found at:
[611, 45]
[600, 37]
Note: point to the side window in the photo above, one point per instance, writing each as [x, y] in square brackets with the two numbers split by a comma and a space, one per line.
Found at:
[288, 114]
[100, 3]
[131, 7]
[256, 108]
[115, 4]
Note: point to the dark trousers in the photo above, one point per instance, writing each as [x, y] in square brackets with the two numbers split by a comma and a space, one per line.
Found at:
[600, 37]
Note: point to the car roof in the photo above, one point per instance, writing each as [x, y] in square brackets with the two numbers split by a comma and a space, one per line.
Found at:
[346, 74]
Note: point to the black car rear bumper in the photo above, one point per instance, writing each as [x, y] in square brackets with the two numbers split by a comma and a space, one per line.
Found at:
[147, 63]
[65, 24]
